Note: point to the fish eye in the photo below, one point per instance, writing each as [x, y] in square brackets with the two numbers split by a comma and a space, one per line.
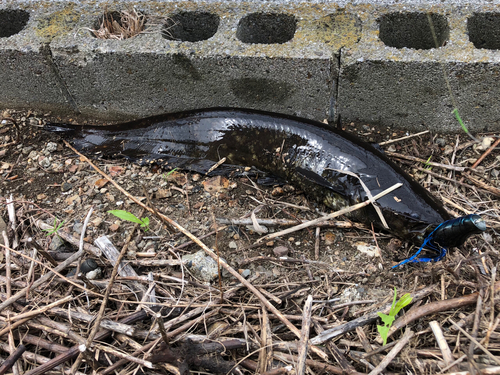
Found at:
[479, 222]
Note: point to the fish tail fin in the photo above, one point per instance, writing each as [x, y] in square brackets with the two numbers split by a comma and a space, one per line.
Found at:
[62, 129]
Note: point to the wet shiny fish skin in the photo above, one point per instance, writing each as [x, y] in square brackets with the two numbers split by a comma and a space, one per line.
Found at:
[306, 153]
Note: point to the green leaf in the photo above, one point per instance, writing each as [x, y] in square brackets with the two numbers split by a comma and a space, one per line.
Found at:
[392, 313]
[125, 215]
[145, 223]
[387, 319]
[383, 332]
[54, 229]
[172, 171]
[403, 301]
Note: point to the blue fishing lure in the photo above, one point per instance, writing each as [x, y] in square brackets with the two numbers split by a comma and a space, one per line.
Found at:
[451, 233]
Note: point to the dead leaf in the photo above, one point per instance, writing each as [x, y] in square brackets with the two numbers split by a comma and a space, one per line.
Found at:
[73, 168]
[163, 193]
[329, 238]
[216, 184]
[116, 170]
[114, 227]
[176, 177]
[72, 199]
[370, 250]
[101, 183]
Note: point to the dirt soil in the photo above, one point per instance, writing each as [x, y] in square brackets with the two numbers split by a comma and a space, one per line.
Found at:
[344, 266]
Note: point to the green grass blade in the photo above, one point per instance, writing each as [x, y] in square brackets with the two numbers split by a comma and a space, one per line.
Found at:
[459, 119]
[125, 215]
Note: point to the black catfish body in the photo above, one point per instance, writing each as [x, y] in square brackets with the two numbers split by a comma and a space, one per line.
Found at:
[304, 152]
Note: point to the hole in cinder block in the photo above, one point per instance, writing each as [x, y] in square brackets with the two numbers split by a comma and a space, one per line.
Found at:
[484, 30]
[12, 21]
[413, 30]
[119, 25]
[191, 26]
[266, 28]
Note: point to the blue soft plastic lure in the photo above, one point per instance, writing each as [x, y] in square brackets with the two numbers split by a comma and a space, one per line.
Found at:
[450, 233]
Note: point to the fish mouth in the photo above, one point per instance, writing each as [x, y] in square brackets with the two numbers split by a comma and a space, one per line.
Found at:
[479, 222]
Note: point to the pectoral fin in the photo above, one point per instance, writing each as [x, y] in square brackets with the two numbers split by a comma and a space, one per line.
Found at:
[317, 179]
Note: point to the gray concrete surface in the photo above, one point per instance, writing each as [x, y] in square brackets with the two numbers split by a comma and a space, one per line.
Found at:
[364, 61]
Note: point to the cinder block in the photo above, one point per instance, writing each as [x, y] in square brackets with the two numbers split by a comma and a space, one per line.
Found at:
[396, 76]
[28, 78]
[367, 61]
[260, 55]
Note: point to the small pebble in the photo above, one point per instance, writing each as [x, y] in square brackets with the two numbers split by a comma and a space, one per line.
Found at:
[94, 274]
[66, 186]
[44, 163]
[96, 222]
[26, 150]
[245, 273]
[114, 227]
[441, 142]
[88, 265]
[56, 243]
[33, 155]
[77, 228]
[280, 251]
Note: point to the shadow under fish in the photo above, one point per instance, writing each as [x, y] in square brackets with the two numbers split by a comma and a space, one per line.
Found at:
[319, 159]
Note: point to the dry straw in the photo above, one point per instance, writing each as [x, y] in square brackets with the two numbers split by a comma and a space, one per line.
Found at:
[120, 25]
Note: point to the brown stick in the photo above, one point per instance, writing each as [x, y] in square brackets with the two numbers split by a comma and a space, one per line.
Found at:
[453, 180]
[121, 362]
[366, 319]
[481, 184]
[11, 360]
[37, 358]
[392, 354]
[265, 353]
[486, 153]
[413, 158]
[486, 351]
[443, 345]
[74, 351]
[69, 238]
[209, 252]
[304, 340]
[331, 216]
[100, 314]
[320, 366]
[41, 280]
[41, 310]
[435, 307]
[287, 223]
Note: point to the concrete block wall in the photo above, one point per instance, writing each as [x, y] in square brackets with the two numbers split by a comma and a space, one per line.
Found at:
[374, 62]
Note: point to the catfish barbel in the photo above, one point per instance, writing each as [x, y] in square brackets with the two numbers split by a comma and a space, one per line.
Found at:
[306, 153]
